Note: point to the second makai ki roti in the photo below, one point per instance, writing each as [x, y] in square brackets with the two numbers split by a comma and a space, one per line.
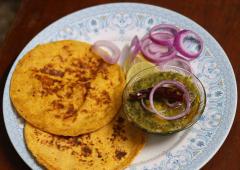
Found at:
[112, 147]
[150, 121]
[65, 89]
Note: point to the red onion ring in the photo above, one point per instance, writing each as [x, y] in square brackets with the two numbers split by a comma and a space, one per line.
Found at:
[164, 53]
[182, 45]
[163, 34]
[115, 52]
[186, 98]
[134, 47]
[145, 107]
[154, 48]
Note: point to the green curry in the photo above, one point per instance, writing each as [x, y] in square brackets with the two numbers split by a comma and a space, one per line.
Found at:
[151, 121]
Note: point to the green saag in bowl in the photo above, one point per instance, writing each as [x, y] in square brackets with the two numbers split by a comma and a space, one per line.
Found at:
[151, 121]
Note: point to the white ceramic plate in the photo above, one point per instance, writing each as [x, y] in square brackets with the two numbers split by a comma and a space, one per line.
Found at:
[119, 22]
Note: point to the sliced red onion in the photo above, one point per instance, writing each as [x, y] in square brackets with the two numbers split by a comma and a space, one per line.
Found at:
[134, 47]
[99, 48]
[186, 98]
[163, 34]
[145, 107]
[188, 43]
[155, 52]
[154, 48]
[178, 62]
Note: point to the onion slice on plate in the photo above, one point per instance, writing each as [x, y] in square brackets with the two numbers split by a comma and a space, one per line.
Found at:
[134, 47]
[186, 97]
[163, 34]
[103, 47]
[188, 44]
[154, 52]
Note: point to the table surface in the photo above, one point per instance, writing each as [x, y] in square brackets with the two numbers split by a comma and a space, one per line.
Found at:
[220, 18]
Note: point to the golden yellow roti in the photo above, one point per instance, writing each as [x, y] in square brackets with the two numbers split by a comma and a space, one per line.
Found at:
[63, 88]
[112, 147]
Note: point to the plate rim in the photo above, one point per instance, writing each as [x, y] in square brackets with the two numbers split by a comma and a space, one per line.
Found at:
[58, 21]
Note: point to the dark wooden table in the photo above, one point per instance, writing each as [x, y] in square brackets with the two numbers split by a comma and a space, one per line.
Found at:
[220, 17]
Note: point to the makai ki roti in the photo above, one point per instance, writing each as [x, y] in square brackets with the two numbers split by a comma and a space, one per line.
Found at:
[113, 147]
[65, 89]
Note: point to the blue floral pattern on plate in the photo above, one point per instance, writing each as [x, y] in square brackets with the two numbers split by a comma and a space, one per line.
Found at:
[119, 22]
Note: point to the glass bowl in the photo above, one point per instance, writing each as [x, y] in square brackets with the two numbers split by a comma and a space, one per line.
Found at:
[150, 121]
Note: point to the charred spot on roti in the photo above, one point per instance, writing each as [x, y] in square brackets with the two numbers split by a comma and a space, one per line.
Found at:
[120, 154]
[51, 71]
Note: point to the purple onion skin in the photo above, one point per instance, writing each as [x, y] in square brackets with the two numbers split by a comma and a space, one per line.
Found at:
[186, 97]
[179, 46]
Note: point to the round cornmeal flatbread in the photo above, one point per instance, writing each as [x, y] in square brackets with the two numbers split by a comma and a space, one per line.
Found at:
[65, 89]
[113, 147]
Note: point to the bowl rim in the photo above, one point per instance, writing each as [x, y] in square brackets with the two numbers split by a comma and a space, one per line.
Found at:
[201, 107]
